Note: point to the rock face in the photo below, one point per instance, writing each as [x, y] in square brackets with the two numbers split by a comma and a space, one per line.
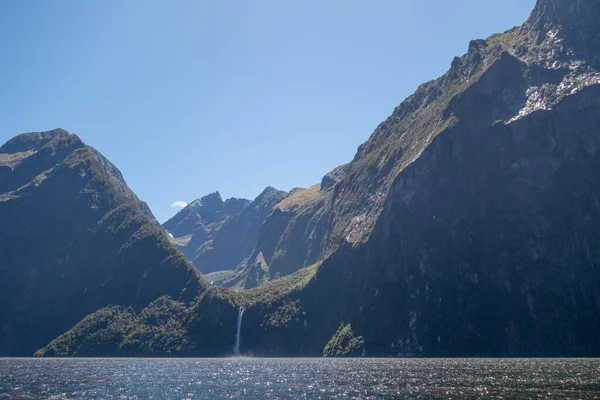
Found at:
[204, 215]
[464, 226]
[485, 242]
[573, 21]
[292, 237]
[556, 50]
[486, 245]
[74, 238]
[217, 235]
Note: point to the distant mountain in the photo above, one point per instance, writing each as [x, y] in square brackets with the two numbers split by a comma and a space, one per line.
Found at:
[204, 215]
[217, 235]
[74, 238]
[293, 236]
[464, 226]
[273, 236]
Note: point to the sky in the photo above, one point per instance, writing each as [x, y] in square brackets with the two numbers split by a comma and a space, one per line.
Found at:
[189, 97]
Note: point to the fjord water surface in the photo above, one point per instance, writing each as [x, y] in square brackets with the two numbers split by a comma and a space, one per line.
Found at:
[299, 378]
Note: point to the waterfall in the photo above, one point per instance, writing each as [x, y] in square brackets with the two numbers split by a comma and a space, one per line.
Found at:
[236, 349]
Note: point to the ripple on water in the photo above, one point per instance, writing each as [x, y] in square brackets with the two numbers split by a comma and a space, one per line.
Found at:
[299, 378]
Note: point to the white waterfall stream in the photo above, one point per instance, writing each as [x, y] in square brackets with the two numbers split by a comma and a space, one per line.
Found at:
[236, 349]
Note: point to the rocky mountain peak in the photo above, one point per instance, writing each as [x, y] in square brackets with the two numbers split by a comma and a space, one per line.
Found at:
[196, 215]
[571, 27]
[270, 196]
[567, 12]
[63, 205]
[212, 200]
[32, 141]
[217, 235]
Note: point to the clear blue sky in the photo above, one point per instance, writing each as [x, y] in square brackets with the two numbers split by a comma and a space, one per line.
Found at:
[189, 97]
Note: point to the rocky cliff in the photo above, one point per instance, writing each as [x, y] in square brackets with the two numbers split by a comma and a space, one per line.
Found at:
[74, 238]
[218, 235]
[204, 215]
[464, 226]
[484, 244]
[292, 237]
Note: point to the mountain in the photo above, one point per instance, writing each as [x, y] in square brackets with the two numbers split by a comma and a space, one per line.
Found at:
[276, 235]
[218, 235]
[464, 226]
[558, 49]
[197, 223]
[204, 215]
[483, 241]
[293, 236]
[73, 239]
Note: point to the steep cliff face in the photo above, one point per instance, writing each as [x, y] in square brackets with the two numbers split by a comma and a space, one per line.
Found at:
[572, 27]
[464, 226]
[236, 240]
[485, 244]
[217, 235]
[560, 38]
[292, 237]
[73, 239]
[204, 215]
[194, 228]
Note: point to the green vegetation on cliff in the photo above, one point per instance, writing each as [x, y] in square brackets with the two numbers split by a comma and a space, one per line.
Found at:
[344, 343]
[204, 327]
[74, 239]
[158, 330]
[465, 226]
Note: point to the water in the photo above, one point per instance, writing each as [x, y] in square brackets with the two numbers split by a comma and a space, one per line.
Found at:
[248, 378]
[238, 333]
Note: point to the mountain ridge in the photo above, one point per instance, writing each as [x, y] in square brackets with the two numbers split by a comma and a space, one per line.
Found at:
[463, 227]
[218, 235]
[94, 241]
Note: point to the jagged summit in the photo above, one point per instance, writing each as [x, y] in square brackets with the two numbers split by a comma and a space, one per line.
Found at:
[567, 12]
[32, 141]
[199, 214]
[74, 238]
[565, 29]
[217, 235]
[211, 199]
[37, 152]
[267, 193]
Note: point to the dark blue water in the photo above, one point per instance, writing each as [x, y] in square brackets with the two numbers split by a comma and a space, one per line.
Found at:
[299, 379]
